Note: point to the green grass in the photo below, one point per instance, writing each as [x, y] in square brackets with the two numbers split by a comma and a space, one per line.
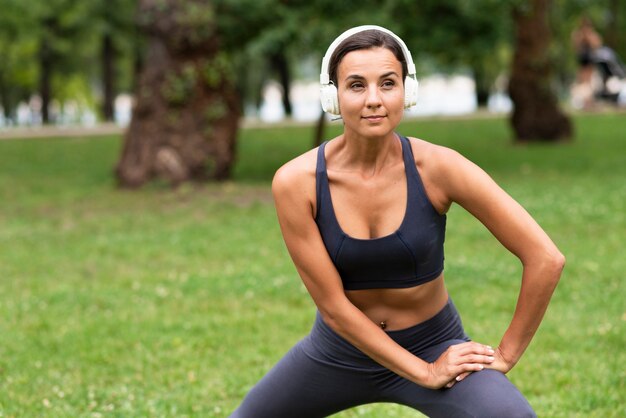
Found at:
[161, 303]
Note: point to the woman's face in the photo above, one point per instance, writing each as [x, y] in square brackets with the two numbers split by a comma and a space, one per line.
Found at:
[371, 91]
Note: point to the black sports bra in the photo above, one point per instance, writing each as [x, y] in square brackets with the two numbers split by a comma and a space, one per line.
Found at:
[410, 256]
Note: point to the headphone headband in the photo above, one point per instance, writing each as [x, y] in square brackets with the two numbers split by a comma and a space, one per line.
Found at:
[325, 77]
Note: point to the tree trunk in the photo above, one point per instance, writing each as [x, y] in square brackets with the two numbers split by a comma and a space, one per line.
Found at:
[482, 85]
[5, 102]
[319, 130]
[108, 78]
[280, 64]
[45, 78]
[185, 120]
[138, 58]
[536, 115]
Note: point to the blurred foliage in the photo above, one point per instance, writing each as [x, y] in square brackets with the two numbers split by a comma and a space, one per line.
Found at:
[472, 36]
[17, 67]
[71, 31]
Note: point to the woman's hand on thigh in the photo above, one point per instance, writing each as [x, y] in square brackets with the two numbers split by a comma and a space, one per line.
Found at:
[499, 363]
[457, 362]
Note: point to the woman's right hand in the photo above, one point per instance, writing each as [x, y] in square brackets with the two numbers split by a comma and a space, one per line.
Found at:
[457, 362]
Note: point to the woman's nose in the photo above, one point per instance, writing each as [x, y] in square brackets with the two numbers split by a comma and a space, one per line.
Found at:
[373, 97]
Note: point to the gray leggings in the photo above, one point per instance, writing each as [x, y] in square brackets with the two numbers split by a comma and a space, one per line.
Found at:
[324, 374]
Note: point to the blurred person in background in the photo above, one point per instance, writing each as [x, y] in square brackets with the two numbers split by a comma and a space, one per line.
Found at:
[586, 41]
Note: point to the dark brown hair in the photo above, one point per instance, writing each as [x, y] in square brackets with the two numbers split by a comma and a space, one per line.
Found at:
[367, 39]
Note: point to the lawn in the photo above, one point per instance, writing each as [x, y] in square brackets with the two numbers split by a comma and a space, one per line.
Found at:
[173, 303]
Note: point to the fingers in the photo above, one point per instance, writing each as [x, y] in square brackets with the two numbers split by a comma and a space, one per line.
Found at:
[462, 376]
[458, 379]
[470, 357]
[472, 348]
[478, 358]
[458, 362]
[470, 353]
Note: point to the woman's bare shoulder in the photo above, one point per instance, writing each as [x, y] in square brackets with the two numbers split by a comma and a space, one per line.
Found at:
[433, 157]
[296, 174]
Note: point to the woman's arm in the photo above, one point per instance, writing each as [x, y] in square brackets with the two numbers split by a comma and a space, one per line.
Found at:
[468, 185]
[294, 193]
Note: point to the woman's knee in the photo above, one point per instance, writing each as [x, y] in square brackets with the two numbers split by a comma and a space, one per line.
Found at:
[505, 408]
[493, 395]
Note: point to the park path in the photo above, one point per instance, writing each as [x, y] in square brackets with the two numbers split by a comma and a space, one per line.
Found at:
[103, 129]
[31, 132]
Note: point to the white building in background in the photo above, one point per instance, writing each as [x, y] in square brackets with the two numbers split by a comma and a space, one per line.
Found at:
[70, 113]
[271, 109]
[123, 109]
[441, 95]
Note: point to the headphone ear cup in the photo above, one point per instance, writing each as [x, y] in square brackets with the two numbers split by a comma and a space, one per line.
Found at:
[329, 99]
[410, 92]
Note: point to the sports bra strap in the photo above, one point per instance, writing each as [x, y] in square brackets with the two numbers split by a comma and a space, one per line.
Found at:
[321, 177]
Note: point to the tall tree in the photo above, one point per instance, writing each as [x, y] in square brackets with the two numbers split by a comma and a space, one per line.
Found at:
[47, 61]
[118, 40]
[63, 32]
[185, 120]
[18, 46]
[457, 35]
[279, 62]
[108, 57]
[536, 115]
[186, 116]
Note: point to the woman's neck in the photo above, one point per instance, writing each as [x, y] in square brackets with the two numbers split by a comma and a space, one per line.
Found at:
[368, 156]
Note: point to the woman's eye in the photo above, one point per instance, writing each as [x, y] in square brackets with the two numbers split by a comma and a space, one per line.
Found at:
[356, 86]
[388, 83]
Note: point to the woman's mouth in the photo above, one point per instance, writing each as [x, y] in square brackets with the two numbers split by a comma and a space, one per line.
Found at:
[374, 118]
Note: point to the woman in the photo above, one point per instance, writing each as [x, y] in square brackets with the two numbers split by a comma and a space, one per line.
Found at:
[363, 218]
[586, 41]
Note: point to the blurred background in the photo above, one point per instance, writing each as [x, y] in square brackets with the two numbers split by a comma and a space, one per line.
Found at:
[79, 62]
[198, 69]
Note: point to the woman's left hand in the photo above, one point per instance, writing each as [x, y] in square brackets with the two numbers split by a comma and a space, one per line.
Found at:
[499, 363]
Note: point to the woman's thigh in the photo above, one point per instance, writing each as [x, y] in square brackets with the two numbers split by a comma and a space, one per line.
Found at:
[487, 393]
[298, 386]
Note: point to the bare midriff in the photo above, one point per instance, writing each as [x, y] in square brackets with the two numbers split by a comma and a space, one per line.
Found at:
[395, 309]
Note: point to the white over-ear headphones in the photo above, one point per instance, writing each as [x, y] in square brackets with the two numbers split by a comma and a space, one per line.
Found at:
[328, 91]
